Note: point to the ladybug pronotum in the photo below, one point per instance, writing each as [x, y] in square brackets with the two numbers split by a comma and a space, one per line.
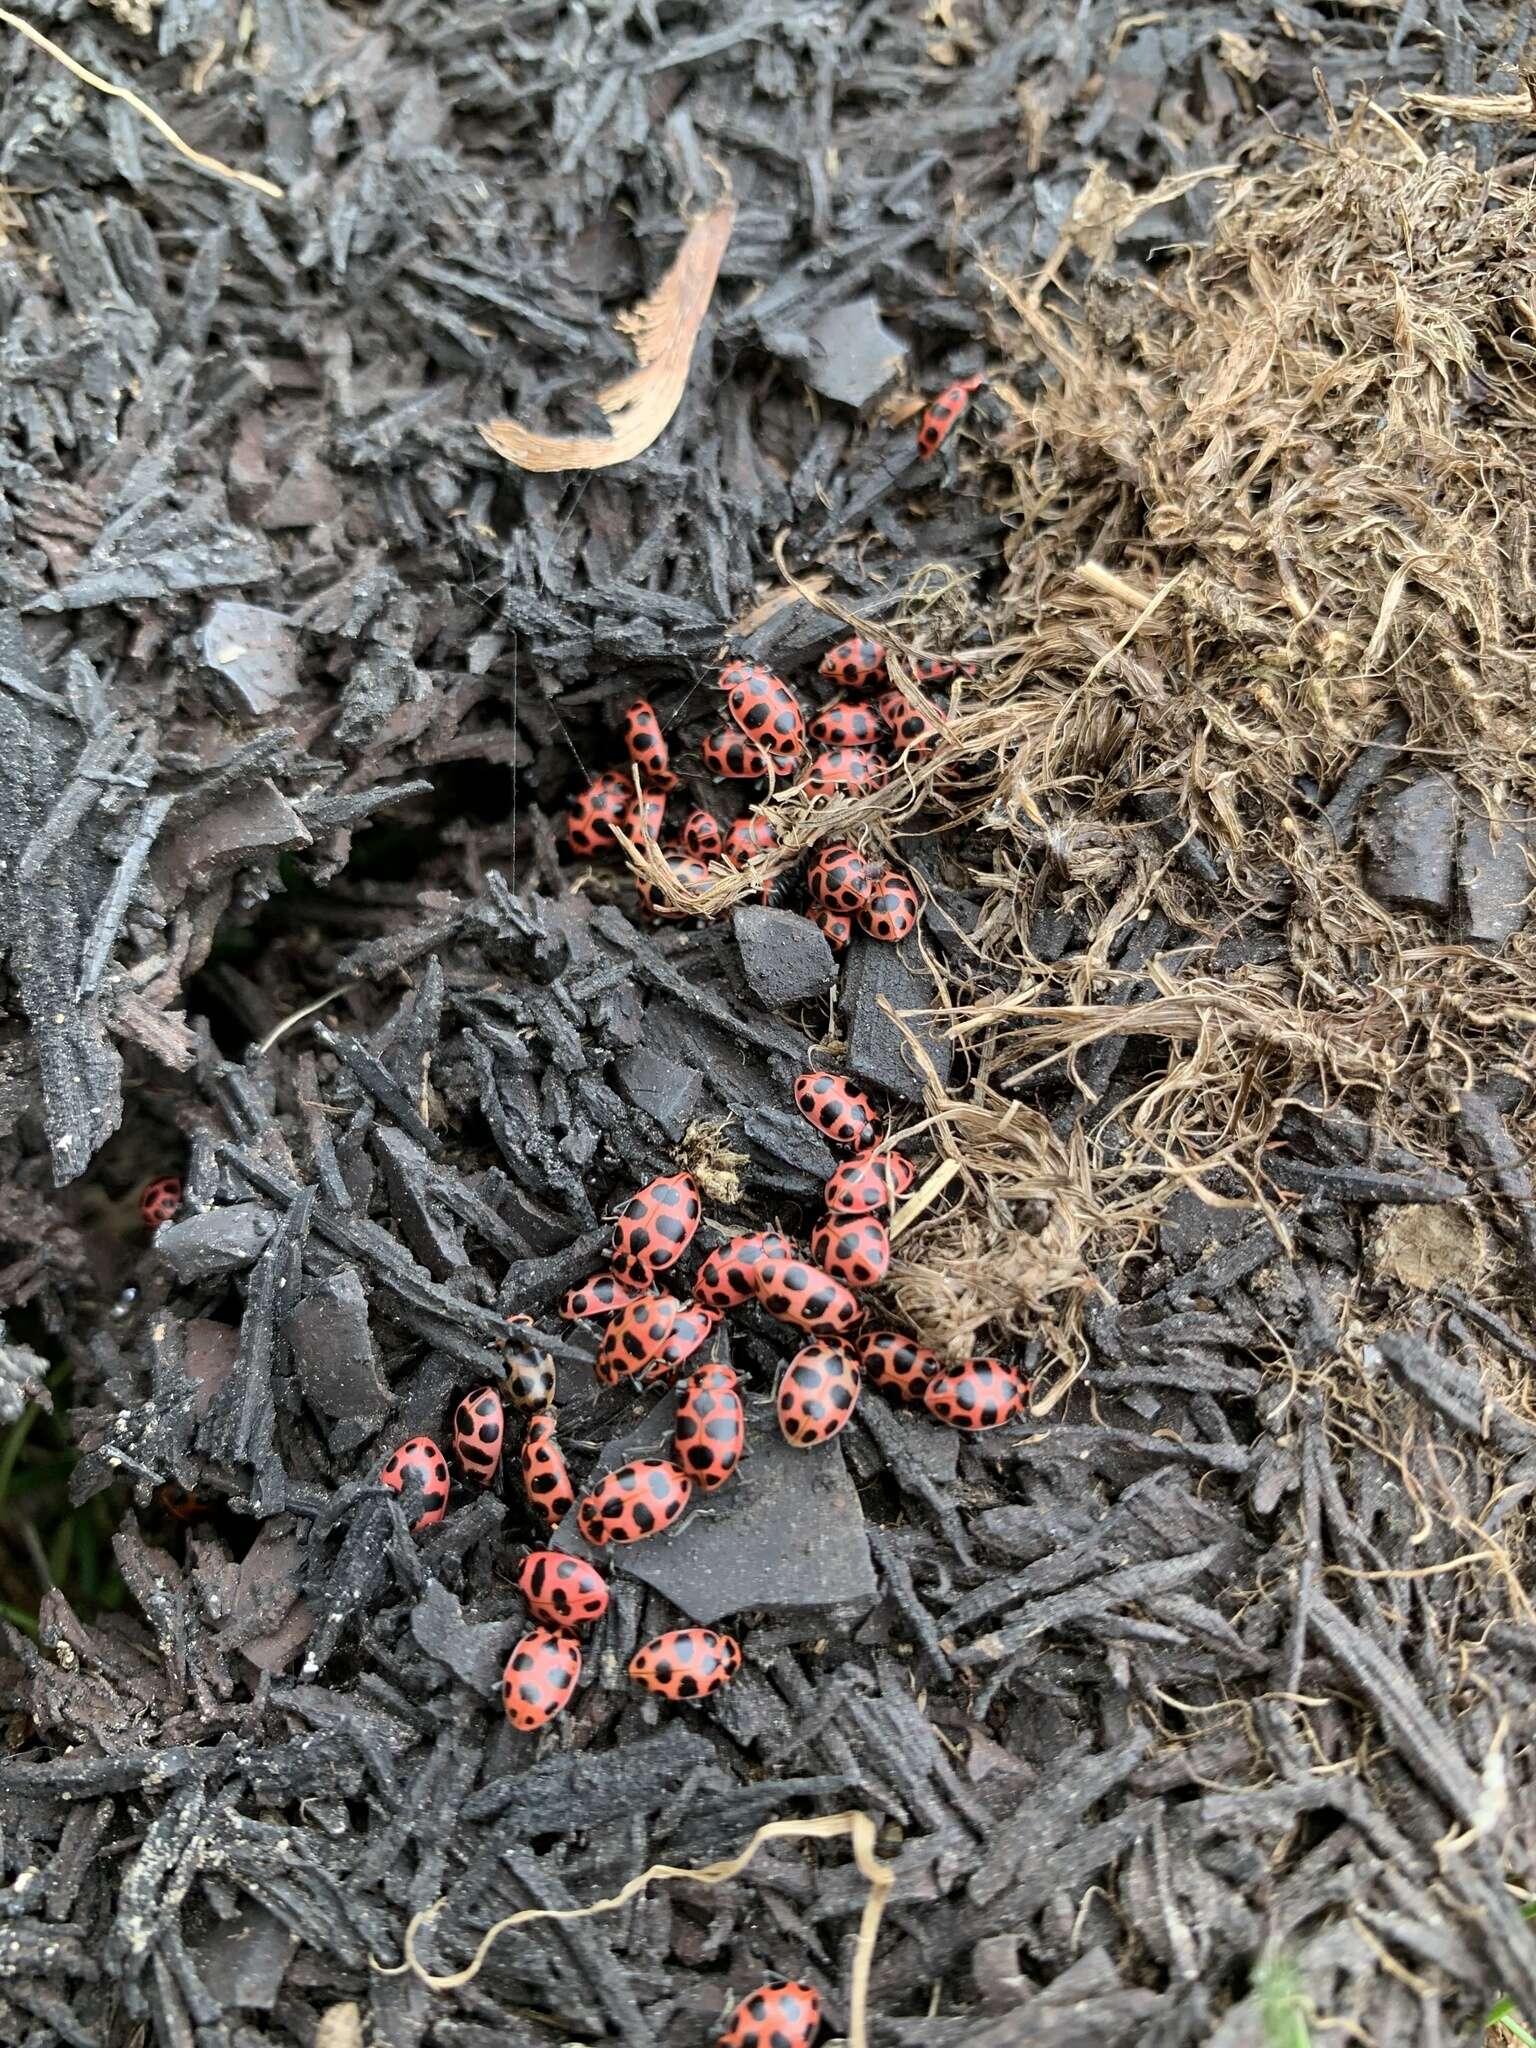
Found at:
[540, 1677]
[419, 1459]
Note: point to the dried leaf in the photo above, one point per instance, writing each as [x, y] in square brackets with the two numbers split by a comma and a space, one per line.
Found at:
[663, 328]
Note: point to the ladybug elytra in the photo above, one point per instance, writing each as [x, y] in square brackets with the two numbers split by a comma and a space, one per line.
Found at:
[655, 1227]
[546, 1481]
[834, 925]
[733, 757]
[702, 835]
[848, 724]
[561, 1591]
[793, 1291]
[898, 1364]
[914, 728]
[636, 1337]
[646, 744]
[603, 1294]
[891, 912]
[764, 706]
[686, 1663]
[942, 414]
[419, 1459]
[724, 1280]
[854, 664]
[981, 1394]
[690, 876]
[774, 2016]
[837, 1109]
[748, 836]
[690, 1329]
[845, 768]
[640, 1499]
[644, 815]
[709, 1434]
[539, 1677]
[853, 1249]
[592, 815]
[159, 1200]
[839, 876]
[479, 1426]
[818, 1394]
[868, 1184]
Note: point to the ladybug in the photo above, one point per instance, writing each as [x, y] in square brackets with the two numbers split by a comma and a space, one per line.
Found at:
[709, 1434]
[733, 757]
[794, 1292]
[638, 1500]
[603, 1294]
[834, 927]
[540, 1677]
[764, 706]
[898, 1364]
[934, 668]
[854, 664]
[655, 1227]
[690, 1329]
[846, 768]
[942, 414]
[702, 835]
[846, 724]
[530, 1376]
[546, 1482]
[853, 1249]
[591, 816]
[839, 876]
[981, 1394]
[914, 728]
[724, 1280]
[478, 1428]
[868, 1184]
[689, 875]
[774, 2016]
[891, 912]
[177, 1501]
[838, 1110]
[818, 1394]
[563, 1592]
[419, 1458]
[644, 815]
[159, 1200]
[686, 1663]
[748, 675]
[646, 744]
[636, 1337]
[748, 836]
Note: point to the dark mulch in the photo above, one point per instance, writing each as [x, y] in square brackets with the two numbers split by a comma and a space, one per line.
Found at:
[295, 676]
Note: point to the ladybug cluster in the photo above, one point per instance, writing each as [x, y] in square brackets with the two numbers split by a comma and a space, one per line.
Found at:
[651, 1338]
[845, 746]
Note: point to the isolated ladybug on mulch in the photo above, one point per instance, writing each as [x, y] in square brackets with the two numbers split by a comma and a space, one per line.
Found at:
[159, 1200]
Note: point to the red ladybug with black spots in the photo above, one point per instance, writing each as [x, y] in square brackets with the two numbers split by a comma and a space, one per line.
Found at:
[733, 757]
[709, 1434]
[546, 1480]
[418, 1459]
[981, 1394]
[479, 1425]
[854, 770]
[774, 2016]
[691, 1328]
[749, 836]
[848, 724]
[604, 1294]
[702, 835]
[561, 1591]
[655, 1227]
[639, 1500]
[854, 664]
[939, 419]
[636, 1337]
[646, 744]
[898, 1364]
[818, 1394]
[539, 1678]
[764, 706]
[159, 1200]
[592, 815]
[644, 815]
[724, 1280]
[838, 1110]
[794, 1291]
[691, 877]
[914, 728]
[835, 926]
[853, 1249]
[892, 910]
[686, 1663]
[869, 1184]
[839, 876]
